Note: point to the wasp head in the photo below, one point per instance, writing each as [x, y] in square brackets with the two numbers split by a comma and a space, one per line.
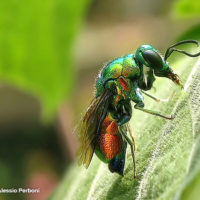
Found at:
[167, 72]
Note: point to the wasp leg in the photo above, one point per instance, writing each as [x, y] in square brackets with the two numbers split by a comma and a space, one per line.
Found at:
[122, 112]
[132, 151]
[140, 106]
[131, 134]
[158, 99]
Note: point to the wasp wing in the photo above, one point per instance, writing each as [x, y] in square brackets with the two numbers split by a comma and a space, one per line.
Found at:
[90, 127]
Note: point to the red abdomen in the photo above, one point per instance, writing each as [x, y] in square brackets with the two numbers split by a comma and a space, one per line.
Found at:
[110, 141]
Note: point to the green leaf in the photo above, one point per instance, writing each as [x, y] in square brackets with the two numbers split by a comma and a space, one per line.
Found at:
[36, 40]
[190, 187]
[186, 8]
[193, 32]
[164, 148]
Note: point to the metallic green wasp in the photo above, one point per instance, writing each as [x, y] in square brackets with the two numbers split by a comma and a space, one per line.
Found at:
[105, 126]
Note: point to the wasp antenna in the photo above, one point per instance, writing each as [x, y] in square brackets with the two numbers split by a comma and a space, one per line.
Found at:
[183, 52]
[171, 49]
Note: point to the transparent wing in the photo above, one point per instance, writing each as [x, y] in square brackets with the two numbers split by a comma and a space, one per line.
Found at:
[91, 126]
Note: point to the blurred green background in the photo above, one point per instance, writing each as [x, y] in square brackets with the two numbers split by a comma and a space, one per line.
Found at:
[50, 53]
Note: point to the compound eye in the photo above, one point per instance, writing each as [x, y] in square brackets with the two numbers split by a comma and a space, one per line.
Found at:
[153, 59]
